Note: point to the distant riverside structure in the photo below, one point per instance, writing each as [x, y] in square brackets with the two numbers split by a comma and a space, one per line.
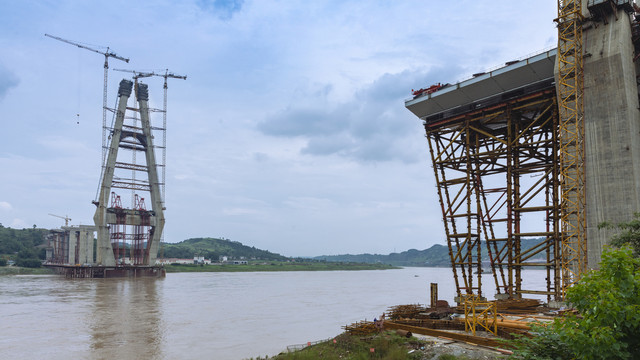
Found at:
[197, 260]
[546, 147]
[71, 245]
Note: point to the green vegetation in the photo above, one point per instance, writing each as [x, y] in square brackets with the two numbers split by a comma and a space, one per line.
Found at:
[13, 241]
[16, 270]
[24, 246]
[435, 256]
[387, 346]
[277, 266]
[212, 248]
[608, 325]
[629, 233]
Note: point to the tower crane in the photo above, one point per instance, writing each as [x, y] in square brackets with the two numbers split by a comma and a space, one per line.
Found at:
[66, 219]
[107, 54]
[137, 74]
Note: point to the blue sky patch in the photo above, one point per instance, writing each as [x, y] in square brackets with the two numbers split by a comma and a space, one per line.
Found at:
[224, 9]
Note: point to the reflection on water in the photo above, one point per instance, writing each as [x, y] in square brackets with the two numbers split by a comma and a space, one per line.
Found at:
[202, 315]
[126, 319]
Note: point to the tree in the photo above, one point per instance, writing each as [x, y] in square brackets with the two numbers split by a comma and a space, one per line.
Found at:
[28, 258]
[629, 234]
[608, 325]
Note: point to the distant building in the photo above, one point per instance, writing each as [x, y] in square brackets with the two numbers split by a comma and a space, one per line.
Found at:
[200, 260]
[168, 261]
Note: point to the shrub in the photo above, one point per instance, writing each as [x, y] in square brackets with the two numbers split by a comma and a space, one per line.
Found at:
[29, 263]
[608, 301]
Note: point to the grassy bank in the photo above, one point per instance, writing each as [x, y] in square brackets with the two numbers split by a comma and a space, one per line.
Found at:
[278, 266]
[16, 270]
[387, 345]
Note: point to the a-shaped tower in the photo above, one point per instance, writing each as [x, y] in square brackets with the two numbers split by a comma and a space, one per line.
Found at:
[129, 237]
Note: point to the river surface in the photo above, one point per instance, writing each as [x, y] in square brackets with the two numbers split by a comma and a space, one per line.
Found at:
[202, 315]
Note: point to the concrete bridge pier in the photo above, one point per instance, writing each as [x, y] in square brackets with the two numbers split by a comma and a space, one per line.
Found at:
[612, 127]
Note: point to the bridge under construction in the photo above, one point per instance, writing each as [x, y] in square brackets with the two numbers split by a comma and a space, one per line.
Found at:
[128, 236]
[530, 158]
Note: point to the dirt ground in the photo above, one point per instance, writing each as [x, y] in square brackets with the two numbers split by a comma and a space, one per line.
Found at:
[436, 347]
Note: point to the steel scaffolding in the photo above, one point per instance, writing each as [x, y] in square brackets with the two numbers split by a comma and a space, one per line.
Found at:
[496, 171]
[571, 136]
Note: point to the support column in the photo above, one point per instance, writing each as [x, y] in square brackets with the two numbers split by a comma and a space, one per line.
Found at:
[612, 128]
[104, 251]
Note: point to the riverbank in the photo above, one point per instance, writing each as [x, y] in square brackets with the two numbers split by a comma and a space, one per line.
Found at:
[17, 270]
[274, 266]
[387, 345]
[277, 266]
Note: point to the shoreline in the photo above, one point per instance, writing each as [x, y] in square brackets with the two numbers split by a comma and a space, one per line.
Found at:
[272, 267]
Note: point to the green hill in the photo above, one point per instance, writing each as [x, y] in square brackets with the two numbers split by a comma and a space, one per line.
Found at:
[24, 246]
[435, 256]
[212, 248]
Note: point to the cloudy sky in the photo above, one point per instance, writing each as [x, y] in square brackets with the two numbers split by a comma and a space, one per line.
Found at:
[290, 133]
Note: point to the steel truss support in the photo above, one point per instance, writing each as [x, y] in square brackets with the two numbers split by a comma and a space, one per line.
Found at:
[496, 172]
[571, 133]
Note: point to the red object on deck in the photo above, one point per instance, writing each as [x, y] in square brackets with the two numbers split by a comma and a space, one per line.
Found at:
[430, 90]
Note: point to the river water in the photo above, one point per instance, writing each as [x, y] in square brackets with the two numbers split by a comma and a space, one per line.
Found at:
[201, 315]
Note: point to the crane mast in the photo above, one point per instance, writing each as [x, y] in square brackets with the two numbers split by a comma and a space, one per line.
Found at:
[166, 75]
[570, 87]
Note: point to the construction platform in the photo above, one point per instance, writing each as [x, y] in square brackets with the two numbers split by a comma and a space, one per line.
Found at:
[126, 271]
[516, 79]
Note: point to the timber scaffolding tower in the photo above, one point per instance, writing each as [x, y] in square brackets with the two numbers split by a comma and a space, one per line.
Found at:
[508, 154]
[129, 237]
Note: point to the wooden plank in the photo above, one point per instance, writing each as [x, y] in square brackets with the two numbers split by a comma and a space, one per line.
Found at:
[436, 333]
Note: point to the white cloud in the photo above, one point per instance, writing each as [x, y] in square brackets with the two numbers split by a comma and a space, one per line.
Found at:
[18, 224]
[5, 206]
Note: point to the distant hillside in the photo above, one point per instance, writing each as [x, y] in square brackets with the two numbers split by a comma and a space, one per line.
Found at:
[435, 256]
[212, 248]
[13, 241]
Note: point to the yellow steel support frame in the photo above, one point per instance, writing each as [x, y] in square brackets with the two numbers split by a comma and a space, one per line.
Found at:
[480, 313]
[496, 173]
[571, 135]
